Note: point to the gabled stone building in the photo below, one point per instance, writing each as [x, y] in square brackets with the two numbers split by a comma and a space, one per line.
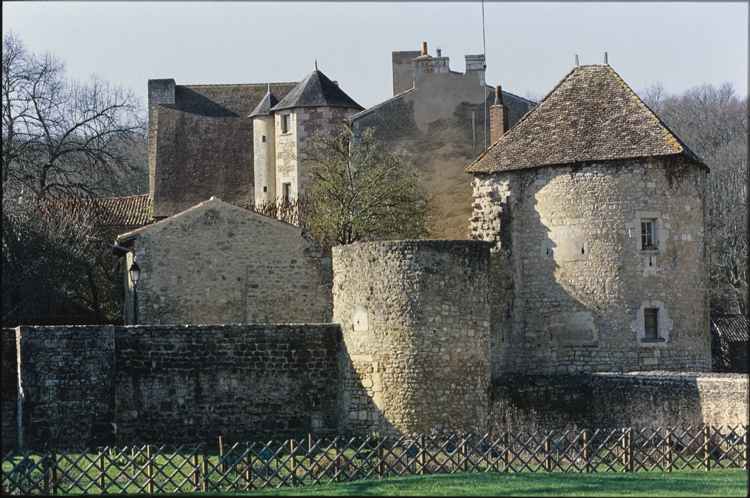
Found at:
[597, 214]
[220, 263]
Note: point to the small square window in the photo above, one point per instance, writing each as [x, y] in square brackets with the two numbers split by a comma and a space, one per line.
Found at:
[648, 234]
[651, 323]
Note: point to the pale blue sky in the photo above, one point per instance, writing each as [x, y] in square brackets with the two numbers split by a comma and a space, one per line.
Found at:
[530, 46]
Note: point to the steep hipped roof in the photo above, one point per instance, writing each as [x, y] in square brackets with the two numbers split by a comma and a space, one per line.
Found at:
[316, 90]
[591, 115]
[264, 108]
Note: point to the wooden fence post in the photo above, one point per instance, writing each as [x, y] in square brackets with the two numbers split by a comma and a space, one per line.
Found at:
[249, 470]
[100, 460]
[706, 440]
[46, 472]
[204, 472]
[194, 479]
[294, 463]
[548, 454]
[336, 460]
[421, 448]
[379, 456]
[747, 449]
[150, 470]
[465, 455]
[586, 463]
[670, 449]
[221, 457]
[54, 472]
[132, 462]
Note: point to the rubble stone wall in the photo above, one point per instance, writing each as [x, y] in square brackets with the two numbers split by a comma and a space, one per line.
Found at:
[415, 321]
[579, 280]
[611, 400]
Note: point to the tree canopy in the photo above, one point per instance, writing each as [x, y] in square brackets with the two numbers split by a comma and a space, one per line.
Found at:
[713, 123]
[62, 136]
[360, 191]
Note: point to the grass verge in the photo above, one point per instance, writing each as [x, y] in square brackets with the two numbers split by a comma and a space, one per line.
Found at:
[682, 483]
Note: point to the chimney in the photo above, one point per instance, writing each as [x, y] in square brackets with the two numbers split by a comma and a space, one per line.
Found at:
[498, 116]
[424, 48]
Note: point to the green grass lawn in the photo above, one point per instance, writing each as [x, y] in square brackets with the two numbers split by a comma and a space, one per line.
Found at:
[681, 483]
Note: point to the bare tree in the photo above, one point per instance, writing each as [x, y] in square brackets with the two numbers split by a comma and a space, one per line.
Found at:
[62, 136]
[713, 123]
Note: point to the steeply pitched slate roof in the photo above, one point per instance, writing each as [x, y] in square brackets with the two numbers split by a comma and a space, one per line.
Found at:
[316, 90]
[591, 115]
[264, 108]
[733, 328]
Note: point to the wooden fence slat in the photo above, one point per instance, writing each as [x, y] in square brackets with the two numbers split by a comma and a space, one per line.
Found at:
[150, 469]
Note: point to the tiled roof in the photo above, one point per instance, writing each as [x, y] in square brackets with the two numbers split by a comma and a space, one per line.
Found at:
[130, 211]
[316, 90]
[591, 115]
[732, 328]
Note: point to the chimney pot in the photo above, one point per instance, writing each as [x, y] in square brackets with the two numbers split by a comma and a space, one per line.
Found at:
[424, 48]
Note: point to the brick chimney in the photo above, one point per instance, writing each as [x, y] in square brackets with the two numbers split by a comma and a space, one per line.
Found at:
[498, 116]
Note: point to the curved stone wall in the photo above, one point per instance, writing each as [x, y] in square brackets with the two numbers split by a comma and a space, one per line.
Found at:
[415, 318]
[580, 285]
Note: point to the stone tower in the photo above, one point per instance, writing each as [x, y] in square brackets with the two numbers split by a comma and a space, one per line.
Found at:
[596, 210]
[264, 149]
[315, 105]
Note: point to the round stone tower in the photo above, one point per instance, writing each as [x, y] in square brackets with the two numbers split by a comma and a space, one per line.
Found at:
[264, 150]
[415, 318]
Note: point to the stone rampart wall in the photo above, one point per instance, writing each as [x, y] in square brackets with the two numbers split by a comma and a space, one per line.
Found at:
[415, 321]
[10, 388]
[178, 384]
[93, 385]
[610, 400]
[67, 384]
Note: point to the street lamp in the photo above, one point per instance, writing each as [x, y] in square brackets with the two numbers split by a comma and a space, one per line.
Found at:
[135, 274]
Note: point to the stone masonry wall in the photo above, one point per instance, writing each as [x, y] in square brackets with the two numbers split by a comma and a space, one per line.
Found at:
[183, 384]
[218, 263]
[610, 400]
[415, 322]
[96, 385]
[579, 280]
[306, 123]
[10, 388]
[67, 385]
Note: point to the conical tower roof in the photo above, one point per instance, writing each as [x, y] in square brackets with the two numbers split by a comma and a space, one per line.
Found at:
[265, 105]
[591, 115]
[316, 90]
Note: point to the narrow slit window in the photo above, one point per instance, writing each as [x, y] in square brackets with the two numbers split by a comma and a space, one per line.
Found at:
[651, 323]
[286, 123]
[287, 189]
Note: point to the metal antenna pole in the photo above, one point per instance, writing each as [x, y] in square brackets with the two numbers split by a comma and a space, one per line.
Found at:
[484, 51]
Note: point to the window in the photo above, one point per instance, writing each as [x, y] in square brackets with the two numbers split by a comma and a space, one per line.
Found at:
[264, 139]
[286, 123]
[648, 234]
[287, 189]
[651, 324]
[265, 188]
